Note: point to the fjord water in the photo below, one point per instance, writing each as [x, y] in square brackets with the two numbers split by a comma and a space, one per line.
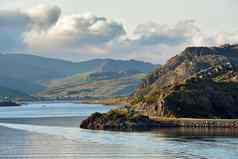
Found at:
[51, 130]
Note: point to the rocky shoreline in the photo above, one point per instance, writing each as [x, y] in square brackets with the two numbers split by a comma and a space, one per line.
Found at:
[126, 119]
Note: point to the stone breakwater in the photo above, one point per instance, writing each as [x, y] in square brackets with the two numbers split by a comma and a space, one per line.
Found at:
[197, 123]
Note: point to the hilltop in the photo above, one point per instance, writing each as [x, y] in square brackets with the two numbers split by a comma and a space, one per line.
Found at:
[200, 82]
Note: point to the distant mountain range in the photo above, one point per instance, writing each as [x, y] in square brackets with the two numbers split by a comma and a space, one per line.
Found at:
[31, 74]
[24, 72]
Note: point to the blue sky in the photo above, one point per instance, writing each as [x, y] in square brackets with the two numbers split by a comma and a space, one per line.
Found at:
[150, 30]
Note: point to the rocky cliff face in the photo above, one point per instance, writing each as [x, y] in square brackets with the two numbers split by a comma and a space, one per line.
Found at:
[201, 82]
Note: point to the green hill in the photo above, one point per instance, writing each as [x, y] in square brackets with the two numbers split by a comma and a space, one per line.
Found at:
[27, 73]
[94, 85]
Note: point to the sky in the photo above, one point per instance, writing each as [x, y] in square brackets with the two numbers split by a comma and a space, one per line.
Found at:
[148, 30]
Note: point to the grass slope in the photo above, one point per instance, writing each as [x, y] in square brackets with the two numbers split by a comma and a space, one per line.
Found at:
[96, 86]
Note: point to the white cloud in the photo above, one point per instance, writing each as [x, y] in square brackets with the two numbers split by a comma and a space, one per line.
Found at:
[45, 30]
[74, 32]
[153, 33]
[14, 24]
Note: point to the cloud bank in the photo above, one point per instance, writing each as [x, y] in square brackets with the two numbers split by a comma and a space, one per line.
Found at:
[43, 29]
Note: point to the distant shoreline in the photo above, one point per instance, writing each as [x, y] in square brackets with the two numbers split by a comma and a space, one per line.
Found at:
[106, 101]
[9, 104]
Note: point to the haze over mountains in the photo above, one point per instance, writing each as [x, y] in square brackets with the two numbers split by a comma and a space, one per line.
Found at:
[29, 74]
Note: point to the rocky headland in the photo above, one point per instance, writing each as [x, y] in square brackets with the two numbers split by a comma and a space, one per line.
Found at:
[121, 119]
[200, 83]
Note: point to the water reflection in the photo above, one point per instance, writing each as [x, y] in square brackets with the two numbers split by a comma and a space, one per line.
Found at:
[23, 144]
[71, 142]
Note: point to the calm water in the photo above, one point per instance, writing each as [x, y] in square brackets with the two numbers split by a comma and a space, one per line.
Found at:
[51, 131]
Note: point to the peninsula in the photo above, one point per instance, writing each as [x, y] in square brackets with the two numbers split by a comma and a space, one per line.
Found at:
[197, 88]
